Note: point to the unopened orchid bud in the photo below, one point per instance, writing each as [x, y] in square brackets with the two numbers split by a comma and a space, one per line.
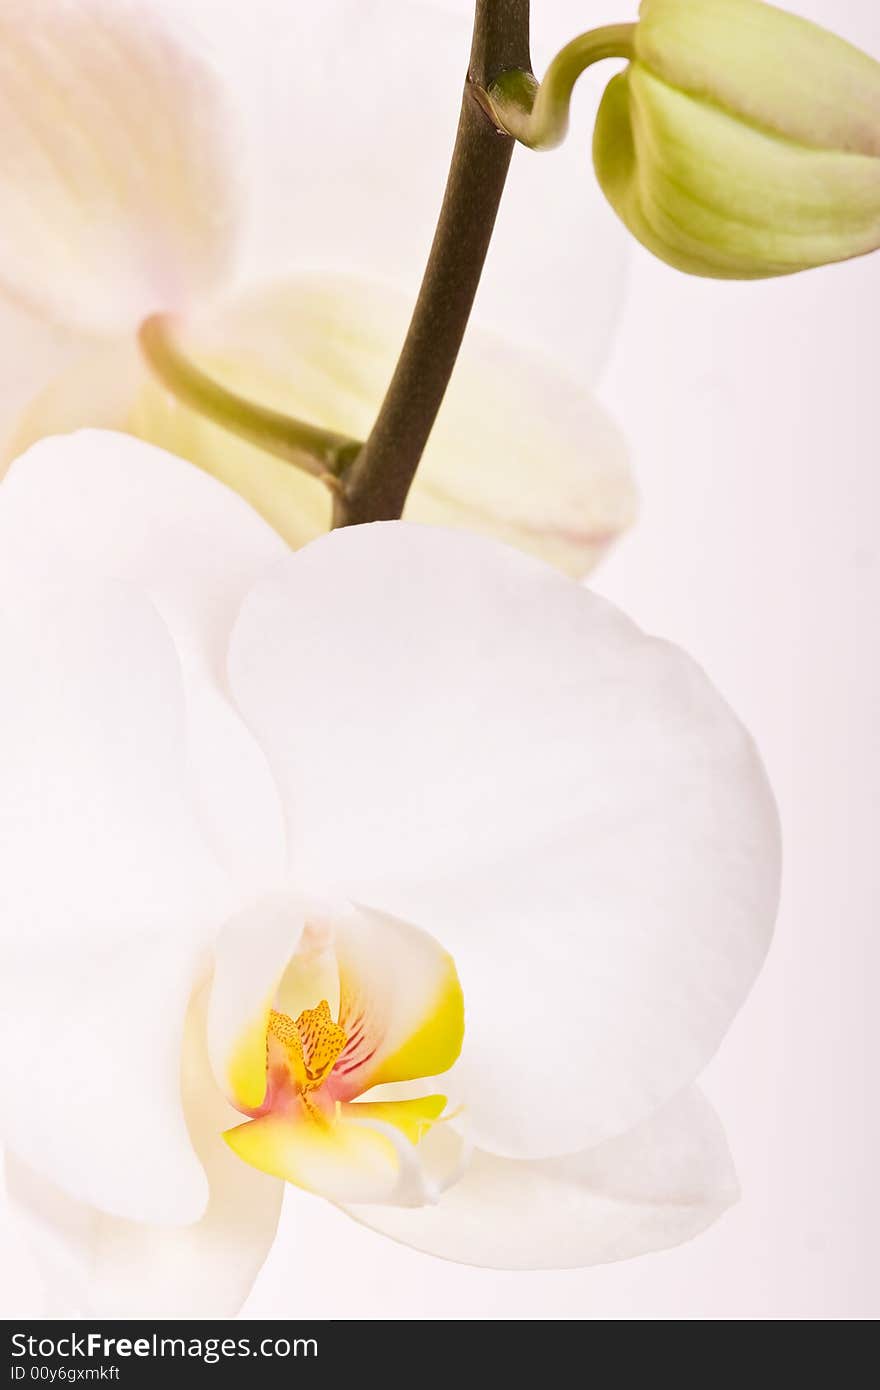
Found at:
[741, 141]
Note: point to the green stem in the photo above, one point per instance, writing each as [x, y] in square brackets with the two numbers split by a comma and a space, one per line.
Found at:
[537, 114]
[376, 487]
[322, 453]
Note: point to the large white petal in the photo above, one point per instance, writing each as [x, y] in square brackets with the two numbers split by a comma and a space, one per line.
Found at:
[100, 505]
[98, 829]
[117, 164]
[656, 1186]
[91, 1034]
[97, 507]
[106, 893]
[251, 954]
[109, 1267]
[475, 744]
[109, 889]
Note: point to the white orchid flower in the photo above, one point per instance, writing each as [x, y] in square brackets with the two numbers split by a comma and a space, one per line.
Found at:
[130, 189]
[400, 868]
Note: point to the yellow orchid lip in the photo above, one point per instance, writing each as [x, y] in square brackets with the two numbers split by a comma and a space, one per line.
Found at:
[400, 1017]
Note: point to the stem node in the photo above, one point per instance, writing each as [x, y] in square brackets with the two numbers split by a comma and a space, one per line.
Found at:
[537, 114]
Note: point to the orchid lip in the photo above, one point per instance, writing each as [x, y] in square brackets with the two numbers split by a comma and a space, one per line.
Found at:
[319, 1122]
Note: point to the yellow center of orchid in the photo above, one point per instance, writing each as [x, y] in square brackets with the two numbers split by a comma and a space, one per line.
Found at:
[313, 1043]
[306, 1077]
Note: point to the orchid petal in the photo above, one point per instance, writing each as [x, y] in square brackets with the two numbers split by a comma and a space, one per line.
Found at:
[394, 990]
[91, 1032]
[34, 353]
[355, 1157]
[400, 1004]
[251, 955]
[551, 478]
[109, 888]
[312, 973]
[414, 1117]
[652, 1188]
[116, 164]
[93, 389]
[565, 804]
[95, 507]
[98, 828]
[118, 1268]
[107, 893]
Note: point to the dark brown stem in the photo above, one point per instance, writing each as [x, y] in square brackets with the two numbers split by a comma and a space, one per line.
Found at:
[375, 487]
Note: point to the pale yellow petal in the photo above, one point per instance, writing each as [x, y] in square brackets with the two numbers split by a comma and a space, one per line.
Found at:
[344, 1160]
[414, 1118]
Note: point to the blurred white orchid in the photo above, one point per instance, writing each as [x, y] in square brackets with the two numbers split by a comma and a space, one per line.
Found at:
[295, 832]
[130, 190]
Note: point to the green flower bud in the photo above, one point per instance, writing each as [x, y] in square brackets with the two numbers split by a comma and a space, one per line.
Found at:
[741, 141]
